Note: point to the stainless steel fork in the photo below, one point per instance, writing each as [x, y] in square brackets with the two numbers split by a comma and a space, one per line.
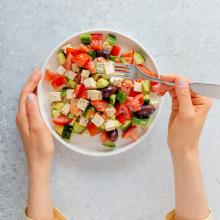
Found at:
[130, 71]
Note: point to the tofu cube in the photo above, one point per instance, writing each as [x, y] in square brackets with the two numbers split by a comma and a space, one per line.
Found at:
[137, 86]
[70, 74]
[61, 70]
[98, 120]
[55, 96]
[75, 68]
[110, 111]
[84, 75]
[94, 95]
[64, 47]
[116, 81]
[69, 93]
[109, 68]
[90, 83]
[66, 109]
[110, 125]
[83, 121]
[82, 104]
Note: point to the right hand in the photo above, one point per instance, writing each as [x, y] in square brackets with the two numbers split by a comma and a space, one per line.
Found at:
[189, 111]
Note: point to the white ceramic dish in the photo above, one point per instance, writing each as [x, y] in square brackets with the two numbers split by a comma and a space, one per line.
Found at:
[85, 144]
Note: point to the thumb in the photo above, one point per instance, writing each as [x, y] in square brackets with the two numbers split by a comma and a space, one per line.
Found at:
[33, 112]
[183, 95]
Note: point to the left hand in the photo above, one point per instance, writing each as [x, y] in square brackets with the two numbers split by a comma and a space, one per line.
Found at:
[37, 140]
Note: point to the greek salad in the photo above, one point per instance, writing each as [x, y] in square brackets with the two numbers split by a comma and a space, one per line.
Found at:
[89, 96]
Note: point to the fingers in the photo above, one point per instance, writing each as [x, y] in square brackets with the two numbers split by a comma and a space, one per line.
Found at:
[183, 95]
[30, 86]
[161, 88]
[33, 113]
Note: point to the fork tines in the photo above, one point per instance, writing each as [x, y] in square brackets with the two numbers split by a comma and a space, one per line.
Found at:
[121, 68]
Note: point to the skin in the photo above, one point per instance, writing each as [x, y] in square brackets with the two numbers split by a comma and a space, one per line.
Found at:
[188, 114]
[187, 118]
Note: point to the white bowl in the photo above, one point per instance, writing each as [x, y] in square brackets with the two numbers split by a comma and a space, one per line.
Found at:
[85, 144]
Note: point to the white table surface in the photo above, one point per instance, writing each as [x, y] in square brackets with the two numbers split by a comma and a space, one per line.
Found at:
[183, 36]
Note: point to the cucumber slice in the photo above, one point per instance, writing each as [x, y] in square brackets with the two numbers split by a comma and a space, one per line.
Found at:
[59, 129]
[146, 86]
[138, 58]
[112, 99]
[55, 113]
[57, 105]
[109, 144]
[70, 115]
[89, 112]
[143, 122]
[112, 58]
[63, 92]
[147, 99]
[111, 39]
[117, 124]
[67, 131]
[93, 54]
[102, 83]
[85, 38]
[101, 128]
[126, 125]
[100, 68]
[95, 76]
[71, 83]
[61, 58]
[78, 128]
[121, 96]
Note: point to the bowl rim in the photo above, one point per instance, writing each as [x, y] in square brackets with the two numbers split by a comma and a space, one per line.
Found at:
[78, 150]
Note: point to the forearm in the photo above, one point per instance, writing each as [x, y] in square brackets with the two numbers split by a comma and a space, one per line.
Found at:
[39, 197]
[190, 195]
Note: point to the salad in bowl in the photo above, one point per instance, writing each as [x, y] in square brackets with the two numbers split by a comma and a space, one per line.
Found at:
[88, 98]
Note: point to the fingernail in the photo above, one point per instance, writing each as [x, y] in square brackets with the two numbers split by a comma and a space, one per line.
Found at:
[31, 97]
[181, 83]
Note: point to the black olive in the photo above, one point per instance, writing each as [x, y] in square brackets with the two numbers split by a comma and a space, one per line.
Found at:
[112, 135]
[103, 53]
[106, 92]
[145, 111]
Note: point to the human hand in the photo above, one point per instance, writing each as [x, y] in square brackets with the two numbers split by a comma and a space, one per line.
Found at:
[189, 111]
[36, 138]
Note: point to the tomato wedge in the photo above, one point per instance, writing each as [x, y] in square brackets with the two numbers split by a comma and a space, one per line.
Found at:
[81, 59]
[73, 107]
[123, 108]
[126, 86]
[133, 93]
[115, 50]
[148, 72]
[92, 129]
[131, 133]
[96, 41]
[91, 67]
[73, 51]
[135, 103]
[83, 48]
[79, 91]
[104, 136]
[68, 62]
[50, 76]
[121, 118]
[100, 105]
[59, 81]
[61, 120]
[128, 53]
